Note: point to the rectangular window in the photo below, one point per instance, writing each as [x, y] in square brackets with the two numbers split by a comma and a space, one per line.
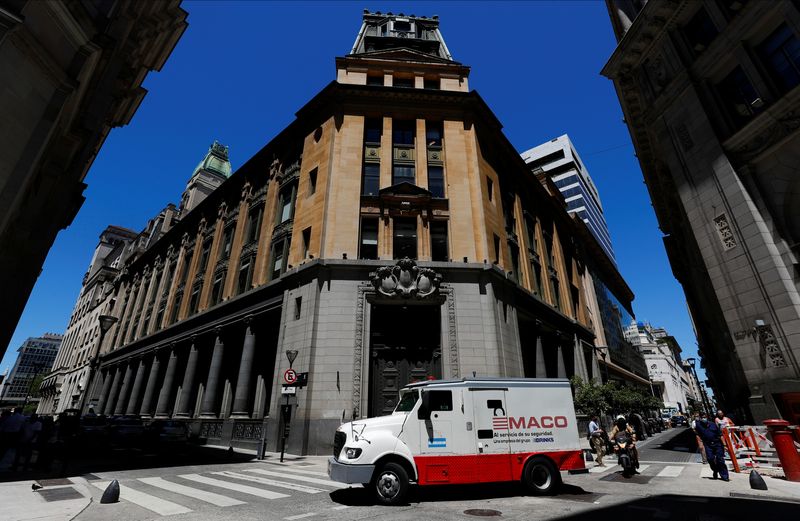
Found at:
[530, 232]
[312, 181]
[216, 289]
[245, 278]
[433, 133]
[403, 132]
[204, 256]
[548, 244]
[373, 129]
[490, 188]
[227, 241]
[403, 82]
[194, 299]
[306, 241]
[700, 31]
[440, 400]
[436, 180]
[439, 250]
[537, 278]
[372, 179]
[405, 238]
[780, 53]
[496, 249]
[298, 306]
[556, 293]
[369, 239]
[432, 83]
[285, 201]
[375, 79]
[739, 97]
[254, 223]
[514, 251]
[277, 260]
[403, 173]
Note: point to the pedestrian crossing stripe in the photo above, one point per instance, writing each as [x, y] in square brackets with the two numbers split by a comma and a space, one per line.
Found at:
[670, 471]
[152, 503]
[237, 487]
[209, 497]
[267, 481]
[284, 475]
[302, 471]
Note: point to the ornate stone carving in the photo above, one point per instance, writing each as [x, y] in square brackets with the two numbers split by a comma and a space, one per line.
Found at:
[247, 191]
[724, 231]
[406, 280]
[358, 348]
[771, 355]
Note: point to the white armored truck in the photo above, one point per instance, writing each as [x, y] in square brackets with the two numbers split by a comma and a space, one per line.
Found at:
[473, 430]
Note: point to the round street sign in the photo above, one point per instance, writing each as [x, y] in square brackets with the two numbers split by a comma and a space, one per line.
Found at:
[290, 376]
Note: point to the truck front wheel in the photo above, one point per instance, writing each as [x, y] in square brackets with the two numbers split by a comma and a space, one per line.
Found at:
[390, 484]
[541, 477]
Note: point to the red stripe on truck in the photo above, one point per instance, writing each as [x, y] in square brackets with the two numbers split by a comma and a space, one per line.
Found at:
[486, 468]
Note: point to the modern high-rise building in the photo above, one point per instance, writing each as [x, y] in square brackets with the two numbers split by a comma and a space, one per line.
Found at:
[710, 91]
[390, 233]
[558, 160]
[36, 355]
[71, 71]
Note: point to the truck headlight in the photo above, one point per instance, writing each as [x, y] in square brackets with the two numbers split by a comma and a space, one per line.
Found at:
[352, 453]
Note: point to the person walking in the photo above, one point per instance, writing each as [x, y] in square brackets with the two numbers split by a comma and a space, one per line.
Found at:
[711, 436]
[700, 446]
[596, 439]
[10, 432]
[723, 421]
[28, 436]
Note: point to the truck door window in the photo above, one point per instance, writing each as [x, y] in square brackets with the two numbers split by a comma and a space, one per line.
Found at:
[441, 400]
[407, 402]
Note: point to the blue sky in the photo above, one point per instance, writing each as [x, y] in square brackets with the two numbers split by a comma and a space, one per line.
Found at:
[242, 69]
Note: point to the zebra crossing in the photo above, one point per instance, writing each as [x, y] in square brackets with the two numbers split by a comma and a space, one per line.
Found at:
[221, 488]
[660, 471]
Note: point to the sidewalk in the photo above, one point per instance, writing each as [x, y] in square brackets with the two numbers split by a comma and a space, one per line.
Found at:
[53, 502]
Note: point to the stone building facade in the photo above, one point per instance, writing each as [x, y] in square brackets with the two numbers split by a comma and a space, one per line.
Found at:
[390, 233]
[70, 71]
[63, 387]
[711, 91]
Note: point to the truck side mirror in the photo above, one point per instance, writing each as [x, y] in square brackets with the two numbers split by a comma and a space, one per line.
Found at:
[424, 411]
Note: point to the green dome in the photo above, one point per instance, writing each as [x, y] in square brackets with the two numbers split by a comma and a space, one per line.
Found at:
[216, 160]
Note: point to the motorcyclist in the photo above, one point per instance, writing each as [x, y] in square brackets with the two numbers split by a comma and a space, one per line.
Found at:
[621, 425]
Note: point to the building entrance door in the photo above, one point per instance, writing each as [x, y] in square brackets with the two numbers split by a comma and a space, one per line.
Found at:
[404, 347]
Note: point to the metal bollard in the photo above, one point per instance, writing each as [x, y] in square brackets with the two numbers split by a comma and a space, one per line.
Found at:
[111, 493]
[783, 439]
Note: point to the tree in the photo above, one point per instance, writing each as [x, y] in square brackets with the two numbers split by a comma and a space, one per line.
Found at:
[590, 398]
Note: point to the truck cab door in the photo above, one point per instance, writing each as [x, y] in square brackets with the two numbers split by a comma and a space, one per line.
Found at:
[491, 434]
[436, 424]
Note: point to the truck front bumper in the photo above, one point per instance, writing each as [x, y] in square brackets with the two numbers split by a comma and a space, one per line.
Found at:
[345, 473]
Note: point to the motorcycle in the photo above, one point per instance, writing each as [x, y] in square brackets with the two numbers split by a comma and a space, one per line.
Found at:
[626, 458]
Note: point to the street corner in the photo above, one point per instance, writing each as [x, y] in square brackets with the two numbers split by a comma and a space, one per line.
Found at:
[44, 499]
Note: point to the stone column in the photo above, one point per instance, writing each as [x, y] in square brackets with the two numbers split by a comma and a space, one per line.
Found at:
[541, 369]
[147, 402]
[580, 361]
[109, 408]
[122, 401]
[212, 382]
[162, 408]
[137, 387]
[242, 393]
[562, 371]
[596, 376]
[101, 401]
[185, 403]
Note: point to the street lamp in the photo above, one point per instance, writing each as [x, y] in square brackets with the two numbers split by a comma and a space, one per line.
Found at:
[692, 361]
[291, 354]
[106, 321]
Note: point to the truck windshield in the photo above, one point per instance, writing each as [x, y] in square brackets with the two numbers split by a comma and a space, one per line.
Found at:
[407, 401]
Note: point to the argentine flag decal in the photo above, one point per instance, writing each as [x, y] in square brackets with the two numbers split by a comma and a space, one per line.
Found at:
[437, 443]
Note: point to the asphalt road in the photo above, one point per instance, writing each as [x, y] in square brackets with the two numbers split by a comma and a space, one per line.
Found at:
[223, 489]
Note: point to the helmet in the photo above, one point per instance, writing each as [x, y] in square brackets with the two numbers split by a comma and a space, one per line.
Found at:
[620, 417]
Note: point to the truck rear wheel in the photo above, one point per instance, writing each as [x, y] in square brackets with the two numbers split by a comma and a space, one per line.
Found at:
[541, 477]
[390, 484]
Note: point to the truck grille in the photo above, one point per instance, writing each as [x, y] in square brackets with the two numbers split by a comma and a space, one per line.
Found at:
[338, 442]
